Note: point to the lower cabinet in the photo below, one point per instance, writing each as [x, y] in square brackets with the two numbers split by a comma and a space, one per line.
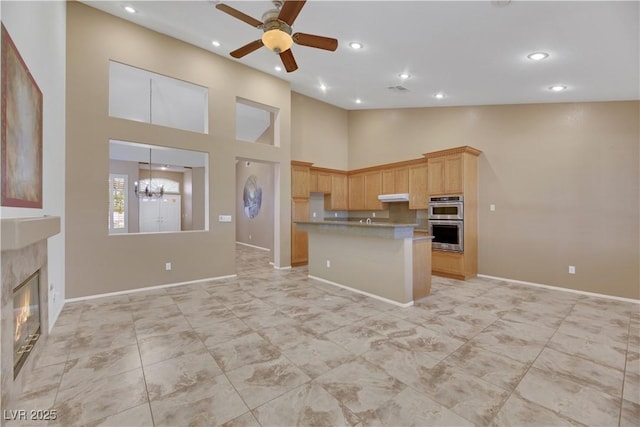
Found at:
[448, 264]
[299, 239]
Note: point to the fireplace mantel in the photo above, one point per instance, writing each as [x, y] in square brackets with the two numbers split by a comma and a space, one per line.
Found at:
[18, 233]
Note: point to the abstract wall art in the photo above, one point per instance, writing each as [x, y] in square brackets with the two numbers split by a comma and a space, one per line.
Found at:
[252, 197]
[21, 130]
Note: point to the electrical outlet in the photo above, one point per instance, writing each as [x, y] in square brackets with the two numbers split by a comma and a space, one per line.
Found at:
[328, 263]
[492, 207]
[249, 236]
[373, 214]
[167, 266]
[572, 269]
[335, 214]
[314, 215]
[224, 218]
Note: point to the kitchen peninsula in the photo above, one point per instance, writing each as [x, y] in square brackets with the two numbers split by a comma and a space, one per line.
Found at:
[383, 260]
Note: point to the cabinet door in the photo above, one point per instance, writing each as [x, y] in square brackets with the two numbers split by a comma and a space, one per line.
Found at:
[388, 181]
[372, 189]
[324, 183]
[313, 182]
[453, 172]
[418, 198]
[338, 199]
[401, 180]
[299, 181]
[436, 176]
[299, 239]
[356, 192]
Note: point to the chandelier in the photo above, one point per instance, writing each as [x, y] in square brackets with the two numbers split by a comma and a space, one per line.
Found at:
[148, 191]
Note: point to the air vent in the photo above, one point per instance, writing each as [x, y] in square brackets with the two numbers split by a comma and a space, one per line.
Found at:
[398, 88]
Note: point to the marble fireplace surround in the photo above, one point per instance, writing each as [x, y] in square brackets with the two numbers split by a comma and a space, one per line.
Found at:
[23, 251]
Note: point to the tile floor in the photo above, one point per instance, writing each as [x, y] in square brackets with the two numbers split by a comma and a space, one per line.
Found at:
[273, 348]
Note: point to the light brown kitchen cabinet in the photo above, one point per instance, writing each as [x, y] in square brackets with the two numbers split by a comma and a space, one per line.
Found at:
[338, 197]
[299, 239]
[372, 189]
[401, 180]
[455, 171]
[356, 192]
[388, 181]
[395, 180]
[446, 175]
[418, 198]
[319, 182]
[324, 183]
[300, 178]
[313, 181]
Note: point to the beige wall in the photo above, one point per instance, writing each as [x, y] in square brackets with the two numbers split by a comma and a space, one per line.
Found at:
[98, 263]
[319, 133]
[564, 179]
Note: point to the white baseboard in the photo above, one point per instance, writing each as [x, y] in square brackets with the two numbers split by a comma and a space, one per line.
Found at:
[383, 299]
[557, 288]
[280, 268]
[149, 288]
[253, 246]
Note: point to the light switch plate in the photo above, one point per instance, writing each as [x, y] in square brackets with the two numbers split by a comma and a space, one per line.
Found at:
[224, 218]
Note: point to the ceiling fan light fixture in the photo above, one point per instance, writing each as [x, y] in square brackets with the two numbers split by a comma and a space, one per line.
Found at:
[277, 40]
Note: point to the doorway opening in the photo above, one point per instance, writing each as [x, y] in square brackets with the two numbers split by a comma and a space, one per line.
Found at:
[257, 214]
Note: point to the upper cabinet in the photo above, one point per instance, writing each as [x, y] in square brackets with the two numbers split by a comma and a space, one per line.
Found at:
[418, 198]
[338, 197]
[447, 170]
[372, 189]
[300, 178]
[319, 182]
[395, 180]
[364, 189]
[356, 192]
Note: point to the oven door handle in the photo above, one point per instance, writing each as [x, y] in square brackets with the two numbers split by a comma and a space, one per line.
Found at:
[446, 221]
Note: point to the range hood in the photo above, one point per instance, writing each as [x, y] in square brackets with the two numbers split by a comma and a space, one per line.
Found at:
[400, 197]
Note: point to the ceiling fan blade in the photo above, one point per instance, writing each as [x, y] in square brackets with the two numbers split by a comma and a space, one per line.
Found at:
[288, 60]
[319, 42]
[290, 10]
[247, 49]
[239, 15]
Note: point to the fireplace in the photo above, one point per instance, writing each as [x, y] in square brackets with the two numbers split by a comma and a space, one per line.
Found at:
[26, 317]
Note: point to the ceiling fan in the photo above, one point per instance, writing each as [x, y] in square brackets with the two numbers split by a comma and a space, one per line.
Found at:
[276, 24]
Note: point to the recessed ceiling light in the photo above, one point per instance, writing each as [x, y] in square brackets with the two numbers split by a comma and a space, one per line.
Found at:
[558, 88]
[358, 101]
[405, 76]
[537, 56]
[439, 95]
[355, 45]
[216, 43]
[130, 9]
[323, 88]
[278, 68]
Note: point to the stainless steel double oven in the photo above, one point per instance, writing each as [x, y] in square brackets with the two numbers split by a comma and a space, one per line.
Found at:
[446, 222]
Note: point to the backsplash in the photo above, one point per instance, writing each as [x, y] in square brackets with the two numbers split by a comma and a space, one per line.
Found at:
[396, 212]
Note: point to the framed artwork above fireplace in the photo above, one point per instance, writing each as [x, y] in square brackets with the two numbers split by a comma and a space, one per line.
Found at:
[21, 131]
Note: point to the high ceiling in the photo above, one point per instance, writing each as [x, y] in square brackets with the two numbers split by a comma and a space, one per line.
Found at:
[474, 52]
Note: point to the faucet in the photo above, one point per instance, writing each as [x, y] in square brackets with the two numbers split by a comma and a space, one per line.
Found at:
[368, 220]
